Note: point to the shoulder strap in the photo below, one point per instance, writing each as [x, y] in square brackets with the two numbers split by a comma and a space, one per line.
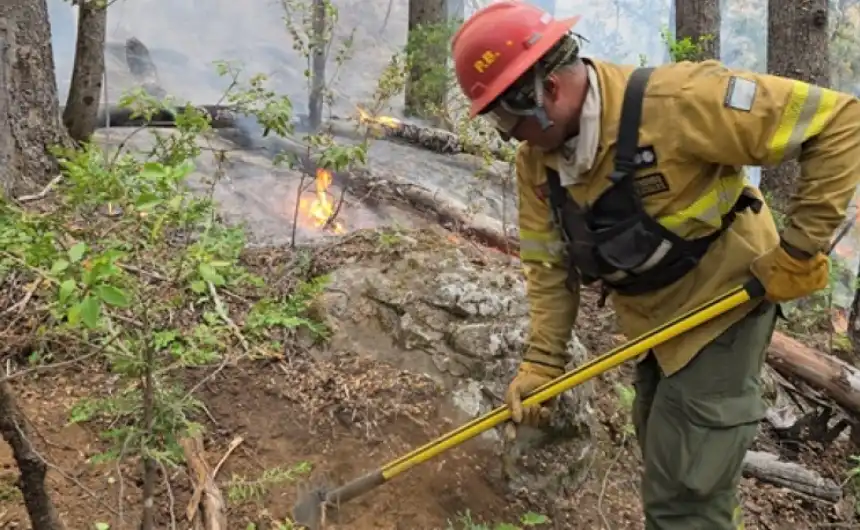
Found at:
[627, 142]
[631, 115]
[557, 195]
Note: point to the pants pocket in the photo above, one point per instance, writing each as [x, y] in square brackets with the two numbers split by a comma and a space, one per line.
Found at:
[720, 430]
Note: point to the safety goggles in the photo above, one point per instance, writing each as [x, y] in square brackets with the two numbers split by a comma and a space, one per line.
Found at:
[516, 105]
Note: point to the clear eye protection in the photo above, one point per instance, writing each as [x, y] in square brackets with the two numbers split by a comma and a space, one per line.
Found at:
[504, 123]
[517, 105]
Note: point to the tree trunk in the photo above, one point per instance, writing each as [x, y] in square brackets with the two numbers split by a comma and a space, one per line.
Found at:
[318, 60]
[82, 105]
[797, 47]
[427, 48]
[29, 111]
[40, 508]
[699, 20]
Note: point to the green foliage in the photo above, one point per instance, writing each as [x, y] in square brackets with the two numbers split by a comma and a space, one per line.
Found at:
[240, 489]
[132, 267]
[430, 74]
[685, 49]
[626, 397]
[528, 520]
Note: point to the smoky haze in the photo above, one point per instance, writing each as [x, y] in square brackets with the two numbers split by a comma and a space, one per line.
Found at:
[185, 37]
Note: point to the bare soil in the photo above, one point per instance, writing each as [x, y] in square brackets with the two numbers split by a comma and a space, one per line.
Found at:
[347, 416]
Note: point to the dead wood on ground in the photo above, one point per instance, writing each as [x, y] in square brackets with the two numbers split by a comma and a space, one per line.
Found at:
[768, 468]
[207, 497]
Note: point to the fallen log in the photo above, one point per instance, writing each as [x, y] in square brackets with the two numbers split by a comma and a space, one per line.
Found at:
[768, 468]
[222, 116]
[435, 139]
[837, 379]
[207, 497]
[448, 213]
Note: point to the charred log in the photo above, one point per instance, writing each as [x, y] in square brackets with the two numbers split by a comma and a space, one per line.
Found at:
[451, 215]
[837, 379]
[438, 140]
[222, 117]
[767, 467]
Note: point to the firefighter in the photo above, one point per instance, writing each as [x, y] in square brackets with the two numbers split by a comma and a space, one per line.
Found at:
[632, 177]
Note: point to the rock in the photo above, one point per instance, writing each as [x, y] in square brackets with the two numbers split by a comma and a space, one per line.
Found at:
[438, 312]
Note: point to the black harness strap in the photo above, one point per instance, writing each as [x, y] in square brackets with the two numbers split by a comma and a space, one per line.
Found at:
[598, 239]
[626, 146]
[628, 127]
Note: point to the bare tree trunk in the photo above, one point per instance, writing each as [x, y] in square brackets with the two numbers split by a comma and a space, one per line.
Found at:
[699, 20]
[797, 47]
[29, 110]
[82, 105]
[40, 508]
[318, 60]
[426, 86]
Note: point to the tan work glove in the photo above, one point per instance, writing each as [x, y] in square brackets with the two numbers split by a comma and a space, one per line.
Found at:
[788, 273]
[529, 377]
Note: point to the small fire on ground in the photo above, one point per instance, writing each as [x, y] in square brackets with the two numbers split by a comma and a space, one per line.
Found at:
[367, 118]
[317, 211]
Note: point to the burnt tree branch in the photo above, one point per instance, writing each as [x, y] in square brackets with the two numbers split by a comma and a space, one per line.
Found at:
[40, 507]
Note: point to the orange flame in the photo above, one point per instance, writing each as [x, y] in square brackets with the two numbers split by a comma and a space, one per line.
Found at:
[385, 121]
[319, 210]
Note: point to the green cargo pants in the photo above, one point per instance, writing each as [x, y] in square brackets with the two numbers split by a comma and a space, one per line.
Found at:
[695, 426]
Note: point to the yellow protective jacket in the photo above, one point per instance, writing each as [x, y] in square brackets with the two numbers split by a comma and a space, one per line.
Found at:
[700, 122]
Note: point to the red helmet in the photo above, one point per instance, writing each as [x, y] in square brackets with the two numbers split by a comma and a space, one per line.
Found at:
[498, 44]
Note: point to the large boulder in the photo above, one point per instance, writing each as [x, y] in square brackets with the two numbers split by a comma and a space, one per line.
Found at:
[460, 316]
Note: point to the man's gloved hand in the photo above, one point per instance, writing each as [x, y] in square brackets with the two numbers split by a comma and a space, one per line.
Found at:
[529, 377]
[788, 273]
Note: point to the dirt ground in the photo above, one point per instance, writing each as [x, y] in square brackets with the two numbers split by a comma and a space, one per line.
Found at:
[345, 417]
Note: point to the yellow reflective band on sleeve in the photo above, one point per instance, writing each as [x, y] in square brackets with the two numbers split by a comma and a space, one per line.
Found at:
[808, 111]
[543, 247]
[709, 209]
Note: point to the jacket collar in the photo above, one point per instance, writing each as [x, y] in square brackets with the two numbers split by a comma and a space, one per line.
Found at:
[576, 157]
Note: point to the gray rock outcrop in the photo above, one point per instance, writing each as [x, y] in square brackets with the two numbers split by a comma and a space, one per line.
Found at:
[462, 320]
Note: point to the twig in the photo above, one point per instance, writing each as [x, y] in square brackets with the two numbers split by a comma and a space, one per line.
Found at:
[20, 305]
[603, 486]
[120, 479]
[224, 361]
[171, 501]
[42, 194]
[222, 312]
[142, 272]
[237, 441]
[60, 364]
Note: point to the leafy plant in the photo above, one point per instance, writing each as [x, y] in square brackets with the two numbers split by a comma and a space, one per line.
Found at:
[527, 520]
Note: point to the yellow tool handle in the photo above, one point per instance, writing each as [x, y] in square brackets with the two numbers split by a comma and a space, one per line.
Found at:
[630, 350]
